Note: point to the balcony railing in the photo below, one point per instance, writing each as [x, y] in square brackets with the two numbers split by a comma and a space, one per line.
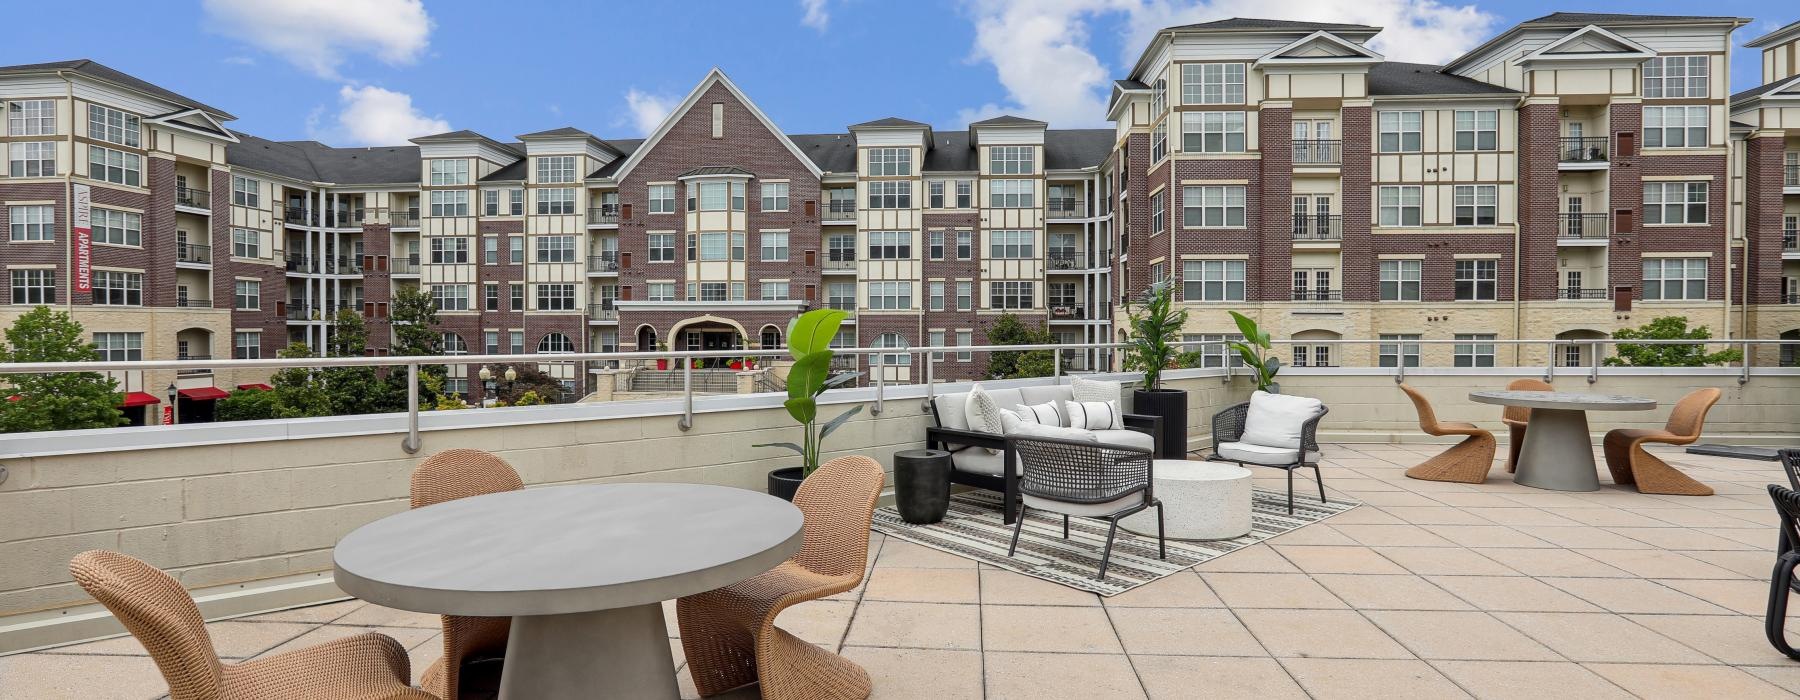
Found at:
[1578, 226]
[1301, 294]
[1790, 298]
[190, 197]
[193, 253]
[1066, 208]
[1066, 261]
[404, 266]
[1791, 176]
[1584, 149]
[293, 215]
[302, 263]
[603, 214]
[193, 303]
[1067, 311]
[1790, 239]
[602, 312]
[1318, 227]
[406, 219]
[840, 260]
[344, 218]
[1583, 293]
[840, 211]
[1318, 152]
[605, 262]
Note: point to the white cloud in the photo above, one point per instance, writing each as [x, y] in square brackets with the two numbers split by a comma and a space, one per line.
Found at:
[816, 16]
[372, 116]
[647, 111]
[1042, 54]
[319, 35]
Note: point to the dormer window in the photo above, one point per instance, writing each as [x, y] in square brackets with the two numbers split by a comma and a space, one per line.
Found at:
[1676, 76]
[449, 171]
[555, 169]
[1011, 160]
[890, 162]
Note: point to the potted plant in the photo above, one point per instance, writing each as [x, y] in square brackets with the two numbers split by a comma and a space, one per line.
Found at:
[1251, 348]
[1155, 326]
[662, 362]
[809, 342]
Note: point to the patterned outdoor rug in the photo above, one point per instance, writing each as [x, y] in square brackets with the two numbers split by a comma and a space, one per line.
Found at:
[972, 529]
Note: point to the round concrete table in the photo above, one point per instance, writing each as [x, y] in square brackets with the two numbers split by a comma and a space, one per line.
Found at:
[1203, 500]
[1558, 453]
[581, 570]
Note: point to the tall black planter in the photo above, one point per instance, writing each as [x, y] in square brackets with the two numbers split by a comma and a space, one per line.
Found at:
[1171, 406]
[785, 482]
[922, 485]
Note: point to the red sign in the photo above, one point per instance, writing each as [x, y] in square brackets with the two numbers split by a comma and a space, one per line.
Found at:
[84, 240]
[168, 415]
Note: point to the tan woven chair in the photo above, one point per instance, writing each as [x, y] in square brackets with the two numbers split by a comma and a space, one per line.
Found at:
[1630, 464]
[1517, 417]
[729, 634]
[158, 611]
[1466, 462]
[447, 476]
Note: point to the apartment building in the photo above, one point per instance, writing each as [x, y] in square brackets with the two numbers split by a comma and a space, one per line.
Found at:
[1766, 145]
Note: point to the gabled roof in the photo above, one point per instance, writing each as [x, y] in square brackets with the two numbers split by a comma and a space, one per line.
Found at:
[706, 170]
[1583, 18]
[1396, 78]
[1242, 23]
[1009, 120]
[1779, 36]
[92, 69]
[1558, 50]
[1791, 83]
[193, 119]
[561, 131]
[889, 122]
[311, 161]
[1349, 51]
[713, 77]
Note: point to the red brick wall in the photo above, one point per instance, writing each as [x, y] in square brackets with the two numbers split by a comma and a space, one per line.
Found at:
[1762, 217]
[1540, 199]
[1357, 256]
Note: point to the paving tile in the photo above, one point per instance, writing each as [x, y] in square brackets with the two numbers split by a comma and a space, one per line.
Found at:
[1389, 592]
[1684, 538]
[922, 625]
[312, 613]
[1554, 562]
[1259, 558]
[1356, 679]
[1471, 635]
[1182, 590]
[1032, 676]
[906, 554]
[1511, 593]
[1746, 564]
[1634, 595]
[1656, 682]
[1249, 590]
[1365, 516]
[1610, 517]
[376, 616]
[1446, 561]
[69, 676]
[1316, 533]
[1437, 515]
[408, 637]
[1479, 503]
[1581, 537]
[1183, 632]
[1747, 597]
[1733, 639]
[1391, 535]
[1183, 677]
[1699, 517]
[920, 673]
[1002, 587]
[1600, 637]
[1529, 680]
[918, 585]
[1520, 515]
[1487, 536]
[1339, 560]
[821, 622]
[1320, 633]
[1029, 628]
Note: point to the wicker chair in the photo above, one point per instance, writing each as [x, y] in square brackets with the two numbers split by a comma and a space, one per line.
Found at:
[1517, 418]
[1228, 431]
[1466, 462]
[1088, 480]
[729, 633]
[1631, 464]
[447, 476]
[1782, 581]
[157, 610]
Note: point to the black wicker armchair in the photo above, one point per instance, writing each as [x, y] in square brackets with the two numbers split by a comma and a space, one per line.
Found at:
[1086, 480]
[1781, 582]
[1228, 429]
[951, 440]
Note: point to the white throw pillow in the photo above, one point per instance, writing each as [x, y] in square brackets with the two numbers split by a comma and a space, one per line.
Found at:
[1043, 414]
[1275, 420]
[984, 415]
[1095, 390]
[1094, 415]
[1053, 431]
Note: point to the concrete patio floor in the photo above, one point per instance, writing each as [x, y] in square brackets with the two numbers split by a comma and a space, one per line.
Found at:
[1429, 590]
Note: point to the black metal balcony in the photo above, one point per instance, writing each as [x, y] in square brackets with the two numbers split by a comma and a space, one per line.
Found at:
[604, 262]
[603, 214]
[1582, 293]
[1791, 176]
[190, 197]
[840, 210]
[193, 303]
[1065, 260]
[1318, 227]
[1067, 311]
[1572, 226]
[193, 253]
[1066, 208]
[302, 263]
[840, 260]
[1790, 298]
[406, 219]
[344, 218]
[1790, 239]
[1584, 149]
[1318, 151]
[1303, 294]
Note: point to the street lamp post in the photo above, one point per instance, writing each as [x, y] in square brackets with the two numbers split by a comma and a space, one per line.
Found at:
[174, 407]
[488, 384]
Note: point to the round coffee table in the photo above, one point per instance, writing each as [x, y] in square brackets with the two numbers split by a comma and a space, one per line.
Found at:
[581, 570]
[1201, 501]
[1558, 453]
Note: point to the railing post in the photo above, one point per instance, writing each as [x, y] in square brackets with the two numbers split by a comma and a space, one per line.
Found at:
[411, 443]
[686, 422]
[930, 380]
[1550, 364]
[880, 385]
[1595, 348]
[1744, 376]
[1056, 359]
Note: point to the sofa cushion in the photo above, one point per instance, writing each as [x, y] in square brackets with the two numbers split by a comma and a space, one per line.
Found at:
[1008, 398]
[1263, 454]
[1031, 430]
[978, 461]
[1094, 415]
[1054, 393]
[1125, 438]
[1084, 510]
[1096, 390]
[952, 411]
[983, 414]
[1276, 420]
[1047, 413]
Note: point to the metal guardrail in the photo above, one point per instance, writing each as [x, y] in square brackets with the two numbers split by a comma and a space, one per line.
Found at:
[603, 214]
[1319, 227]
[193, 253]
[190, 197]
[1318, 151]
[1579, 226]
[1584, 149]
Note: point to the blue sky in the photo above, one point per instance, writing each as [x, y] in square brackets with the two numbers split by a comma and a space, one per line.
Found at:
[351, 72]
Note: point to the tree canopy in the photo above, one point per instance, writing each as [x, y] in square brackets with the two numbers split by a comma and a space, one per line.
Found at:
[1010, 364]
[62, 400]
[1668, 355]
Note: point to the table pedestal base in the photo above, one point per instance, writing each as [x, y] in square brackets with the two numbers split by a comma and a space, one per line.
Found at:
[618, 653]
[1557, 454]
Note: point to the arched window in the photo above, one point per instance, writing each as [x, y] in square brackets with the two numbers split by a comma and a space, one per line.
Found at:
[771, 338]
[556, 342]
[453, 345]
[890, 340]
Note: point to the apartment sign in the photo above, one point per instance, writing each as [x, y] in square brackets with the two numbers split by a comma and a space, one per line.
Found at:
[84, 240]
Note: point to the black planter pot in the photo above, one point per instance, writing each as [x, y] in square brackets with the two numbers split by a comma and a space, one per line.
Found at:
[1171, 406]
[922, 485]
[785, 482]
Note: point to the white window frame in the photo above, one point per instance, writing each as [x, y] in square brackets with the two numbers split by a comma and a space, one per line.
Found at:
[1012, 294]
[246, 345]
[1480, 202]
[246, 243]
[1685, 277]
[31, 159]
[556, 249]
[1012, 245]
[773, 246]
[662, 199]
[1012, 160]
[114, 227]
[449, 203]
[1213, 132]
[889, 162]
[1012, 194]
[1394, 203]
[1400, 280]
[115, 288]
[1677, 77]
[894, 194]
[553, 170]
[31, 118]
[115, 166]
[775, 290]
[450, 297]
[1398, 349]
[1158, 213]
[119, 347]
[1473, 350]
[965, 295]
[114, 126]
[1684, 198]
[774, 196]
[448, 172]
[889, 245]
[1399, 131]
[1212, 83]
[32, 222]
[1677, 126]
[1477, 130]
[555, 296]
[556, 200]
[1480, 276]
[246, 295]
[448, 250]
[246, 192]
[1214, 206]
[1213, 280]
[890, 295]
[33, 286]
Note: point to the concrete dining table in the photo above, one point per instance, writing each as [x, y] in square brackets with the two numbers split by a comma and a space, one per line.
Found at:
[581, 570]
[1559, 453]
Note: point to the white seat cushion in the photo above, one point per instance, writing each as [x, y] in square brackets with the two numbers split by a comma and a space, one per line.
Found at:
[1007, 398]
[1096, 390]
[1276, 420]
[1044, 394]
[1094, 415]
[1263, 454]
[1083, 510]
[978, 461]
[1028, 429]
[952, 411]
[1125, 438]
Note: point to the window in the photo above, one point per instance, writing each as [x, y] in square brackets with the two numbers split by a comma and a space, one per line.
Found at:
[774, 196]
[1474, 352]
[841, 248]
[1397, 352]
[556, 297]
[965, 295]
[1399, 205]
[1012, 295]
[935, 339]
[709, 291]
[890, 195]
[1399, 132]
[709, 246]
[118, 288]
[490, 297]
[965, 245]
[1212, 280]
[115, 166]
[36, 222]
[661, 291]
[775, 291]
[490, 202]
[1060, 294]
[112, 126]
[935, 296]
[1212, 132]
[515, 249]
[450, 297]
[449, 172]
[1476, 280]
[515, 342]
[246, 243]
[119, 347]
[1477, 130]
[1158, 219]
[554, 169]
[841, 296]
[1213, 349]
[32, 118]
[556, 200]
[556, 249]
[1212, 207]
[840, 200]
[662, 247]
[247, 345]
[515, 296]
[490, 250]
[1675, 202]
[890, 340]
[662, 199]
[490, 342]
[1158, 272]
[31, 159]
[1313, 355]
[965, 339]
[1675, 127]
[247, 295]
[1476, 205]
[1212, 83]
[33, 286]
[450, 203]
[965, 194]
[246, 192]
[1159, 97]
[1011, 160]
[516, 201]
[890, 295]
[774, 246]
[1159, 141]
[890, 161]
[1676, 76]
[1400, 280]
[1017, 245]
[934, 194]
[117, 227]
[449, 251]
[1668, 279]
[935, 246]
[890, 245]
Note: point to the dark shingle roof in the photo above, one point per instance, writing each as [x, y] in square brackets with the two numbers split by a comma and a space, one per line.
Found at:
[1129, 85]
[890, 121]
[1255, 23]
[458, 135]
[951, 151]
[1772, 37]
[560, 131]
[1395, 78]
[716, 170]
[513, 172]
[312, 161]
[1761, 89]
[1069, 149]
[1585, 18]
[625, 147]
[99, 71]
[833, 153]
[1009, 120]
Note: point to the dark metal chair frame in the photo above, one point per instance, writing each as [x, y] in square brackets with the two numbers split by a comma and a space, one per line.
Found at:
[1080, 472]
[1228, 426]
[1782, 582]
[951, 440]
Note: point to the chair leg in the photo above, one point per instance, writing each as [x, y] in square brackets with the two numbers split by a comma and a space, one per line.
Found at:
[1162, 544]
[1466, 462]
[1106, 556]
[1065, 527]
[1018, 526]
[1775, 619]
[1656, 476]
[1320, 478]
[1290, 473]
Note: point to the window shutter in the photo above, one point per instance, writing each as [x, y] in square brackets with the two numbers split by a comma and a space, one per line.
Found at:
[625, 211]
[1621, 298]
[1627, 144]
[1626, 219]
[625, 260]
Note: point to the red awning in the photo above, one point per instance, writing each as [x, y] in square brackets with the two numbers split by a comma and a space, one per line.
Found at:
[263, 387]
[204, 393]
[137, 398]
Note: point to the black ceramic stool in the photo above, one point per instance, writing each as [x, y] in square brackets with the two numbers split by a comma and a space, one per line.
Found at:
[922, 485]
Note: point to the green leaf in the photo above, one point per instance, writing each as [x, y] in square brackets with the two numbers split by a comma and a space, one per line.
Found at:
[812, 331]
[788, 445]
[1271, 365]
[832, 426]
[804, 409]
[1250, 357]
[806, 378]
[1246, 326]
[841, 379]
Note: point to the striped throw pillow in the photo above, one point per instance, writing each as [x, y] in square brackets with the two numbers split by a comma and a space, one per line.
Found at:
[1094, 415]
[1041, 414]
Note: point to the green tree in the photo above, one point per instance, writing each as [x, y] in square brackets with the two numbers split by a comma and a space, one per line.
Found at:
[354, 390]
[299, 391]
[415, 321]
[527, 379]
[247, 404]
[59, 401]
[1668, 355]
[1018, 364]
